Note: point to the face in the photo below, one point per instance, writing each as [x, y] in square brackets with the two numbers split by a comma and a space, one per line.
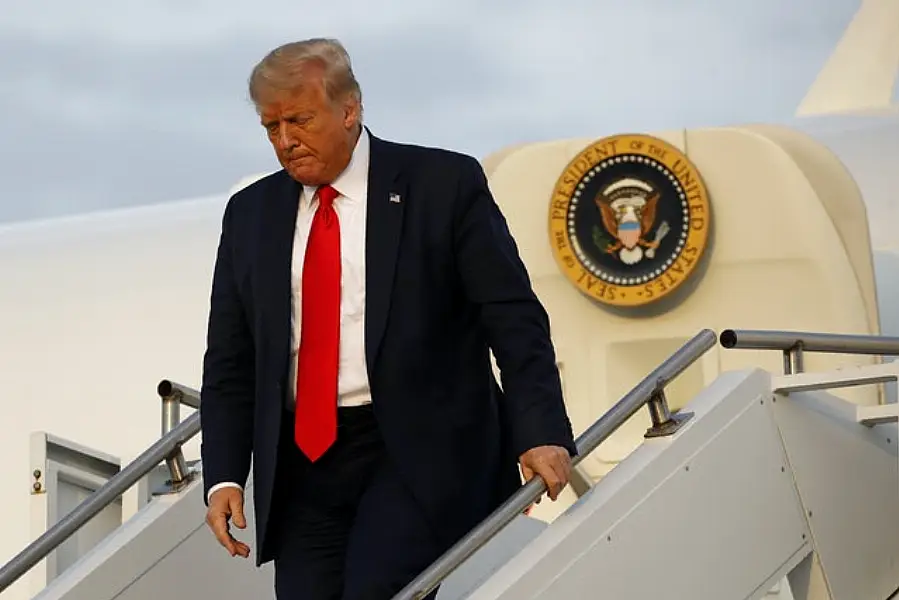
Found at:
[313, 136]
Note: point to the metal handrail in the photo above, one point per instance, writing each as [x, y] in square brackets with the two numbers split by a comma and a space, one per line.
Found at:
[794, 343]
[650, 392]
[167, 448]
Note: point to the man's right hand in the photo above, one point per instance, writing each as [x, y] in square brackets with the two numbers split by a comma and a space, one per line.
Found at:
[226, 505]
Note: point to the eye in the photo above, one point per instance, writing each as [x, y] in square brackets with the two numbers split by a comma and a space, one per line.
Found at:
[300, 120]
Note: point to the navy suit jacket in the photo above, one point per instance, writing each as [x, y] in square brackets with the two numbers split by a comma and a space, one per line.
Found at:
[444, 284]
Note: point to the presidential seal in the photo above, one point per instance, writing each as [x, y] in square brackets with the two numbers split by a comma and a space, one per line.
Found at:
[629, 220]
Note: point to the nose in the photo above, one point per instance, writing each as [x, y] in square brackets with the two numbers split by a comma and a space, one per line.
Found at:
[285, 139]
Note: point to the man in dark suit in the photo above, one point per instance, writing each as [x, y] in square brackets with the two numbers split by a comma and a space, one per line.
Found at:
[356, 296]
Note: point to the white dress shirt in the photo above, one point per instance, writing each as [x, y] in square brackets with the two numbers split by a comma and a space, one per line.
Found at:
[350, 205]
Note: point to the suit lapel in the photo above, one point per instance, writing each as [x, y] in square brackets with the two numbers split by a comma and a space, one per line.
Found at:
[278, 222]
[386, 202]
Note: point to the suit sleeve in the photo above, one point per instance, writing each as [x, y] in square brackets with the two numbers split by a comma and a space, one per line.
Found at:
[516, 324]
[227, 393]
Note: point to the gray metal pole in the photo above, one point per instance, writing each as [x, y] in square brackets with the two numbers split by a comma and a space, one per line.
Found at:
[614, 418]
[173, 396]
[796, 358]
[833, 343]
[171, 412]
[93, 504]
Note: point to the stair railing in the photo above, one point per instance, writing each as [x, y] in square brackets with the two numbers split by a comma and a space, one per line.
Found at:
[793, 344]
[649, 392]
[175, 433]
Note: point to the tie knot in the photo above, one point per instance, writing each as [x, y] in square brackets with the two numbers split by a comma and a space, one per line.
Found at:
[326, 195]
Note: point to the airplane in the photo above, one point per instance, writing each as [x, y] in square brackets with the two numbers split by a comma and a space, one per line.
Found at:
[96, 309]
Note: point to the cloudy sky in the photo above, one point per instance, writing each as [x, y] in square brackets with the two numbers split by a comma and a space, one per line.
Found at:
[107, 103]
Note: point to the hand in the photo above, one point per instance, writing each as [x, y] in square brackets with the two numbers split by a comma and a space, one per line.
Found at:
[551, 463]
[224, 505]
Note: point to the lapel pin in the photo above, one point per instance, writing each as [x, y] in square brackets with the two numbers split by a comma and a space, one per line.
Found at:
[395, 198]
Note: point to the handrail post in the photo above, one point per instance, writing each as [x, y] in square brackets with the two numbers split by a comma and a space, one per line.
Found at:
[179, 474]
[794, 360]
[663, 422]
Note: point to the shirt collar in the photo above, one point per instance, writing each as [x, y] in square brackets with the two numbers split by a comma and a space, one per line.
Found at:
[353, 181]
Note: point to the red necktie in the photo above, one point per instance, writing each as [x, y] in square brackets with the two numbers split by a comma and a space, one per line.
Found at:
[317, 359]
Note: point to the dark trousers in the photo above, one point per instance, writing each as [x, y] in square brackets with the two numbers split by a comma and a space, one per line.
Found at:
[346, 527]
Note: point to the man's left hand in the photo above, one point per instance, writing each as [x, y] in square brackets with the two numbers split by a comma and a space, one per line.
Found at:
[551, 463]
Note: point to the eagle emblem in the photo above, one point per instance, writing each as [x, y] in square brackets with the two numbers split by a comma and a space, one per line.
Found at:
[628, 210]
[629, 220]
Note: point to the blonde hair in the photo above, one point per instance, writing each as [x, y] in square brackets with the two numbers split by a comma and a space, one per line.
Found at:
[285, 68]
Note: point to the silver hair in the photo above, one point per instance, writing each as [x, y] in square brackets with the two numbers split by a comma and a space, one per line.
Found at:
[282, 69]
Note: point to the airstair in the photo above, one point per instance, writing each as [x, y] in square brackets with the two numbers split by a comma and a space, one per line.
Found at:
[763, 485]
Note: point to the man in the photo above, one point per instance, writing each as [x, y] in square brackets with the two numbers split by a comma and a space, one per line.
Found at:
[356, 296]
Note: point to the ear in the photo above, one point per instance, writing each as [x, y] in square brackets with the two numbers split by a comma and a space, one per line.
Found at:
[352, 110]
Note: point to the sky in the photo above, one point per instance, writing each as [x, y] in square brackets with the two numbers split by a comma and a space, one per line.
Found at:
[112, 103]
